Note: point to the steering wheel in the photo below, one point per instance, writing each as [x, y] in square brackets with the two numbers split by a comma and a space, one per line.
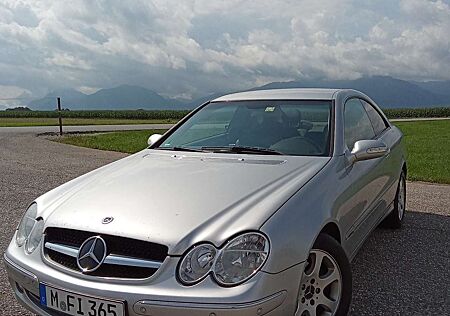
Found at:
[303, 145]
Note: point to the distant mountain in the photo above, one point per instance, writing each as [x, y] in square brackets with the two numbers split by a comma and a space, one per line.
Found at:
[197, 102]
[128, 97]
[70, 99]
[437, 87]
[388, 92]
[123, 97]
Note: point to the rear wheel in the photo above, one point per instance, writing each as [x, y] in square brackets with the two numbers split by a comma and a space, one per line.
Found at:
[394, 220]
[326, 285]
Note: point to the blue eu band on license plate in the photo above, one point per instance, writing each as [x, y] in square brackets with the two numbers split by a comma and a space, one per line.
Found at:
[43, 294]
[78, 304]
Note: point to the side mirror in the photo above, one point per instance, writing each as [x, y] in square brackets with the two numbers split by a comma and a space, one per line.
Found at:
[153, 139]
[368, 149]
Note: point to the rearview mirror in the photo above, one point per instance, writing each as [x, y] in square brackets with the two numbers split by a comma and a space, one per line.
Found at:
[368, 149]
[153, 139]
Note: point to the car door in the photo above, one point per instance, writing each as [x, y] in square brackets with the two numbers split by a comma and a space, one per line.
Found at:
[393, 162]
[368, 178]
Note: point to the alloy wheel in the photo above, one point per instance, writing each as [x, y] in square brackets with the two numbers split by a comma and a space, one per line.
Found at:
[401, 199]
[321, 286]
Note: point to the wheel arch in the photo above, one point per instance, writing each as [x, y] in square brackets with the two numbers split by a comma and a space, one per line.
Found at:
[332, 230]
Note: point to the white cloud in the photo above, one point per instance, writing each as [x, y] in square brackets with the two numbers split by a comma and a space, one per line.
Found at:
[11, 96]
[87, 90]
[67, 60]
[201, 46]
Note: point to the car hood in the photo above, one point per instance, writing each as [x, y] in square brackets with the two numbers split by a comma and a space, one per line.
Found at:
[179, 199]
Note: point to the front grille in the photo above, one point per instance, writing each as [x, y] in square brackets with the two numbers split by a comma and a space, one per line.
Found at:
[62, 259]
[116, 246]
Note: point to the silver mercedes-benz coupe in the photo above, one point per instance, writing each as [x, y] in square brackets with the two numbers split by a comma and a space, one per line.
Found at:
[253, 204]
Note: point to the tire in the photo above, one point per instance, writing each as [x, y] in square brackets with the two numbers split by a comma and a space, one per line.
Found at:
[329, 291]
[395, 219]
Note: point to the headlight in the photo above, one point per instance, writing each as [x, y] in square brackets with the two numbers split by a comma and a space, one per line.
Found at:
[237, 262]
[241, 258]
[35, 236]
[30, 230]
[197, 263]
[26, 225]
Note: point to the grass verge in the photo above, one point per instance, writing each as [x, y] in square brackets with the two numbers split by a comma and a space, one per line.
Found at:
[428, 147]
[427, 144]
[50, 121]
[127, 142]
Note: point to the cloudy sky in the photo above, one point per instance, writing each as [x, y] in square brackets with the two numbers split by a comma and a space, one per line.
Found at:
[195, 47]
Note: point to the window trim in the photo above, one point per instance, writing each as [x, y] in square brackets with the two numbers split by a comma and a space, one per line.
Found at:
[331, 126]
[386, 124]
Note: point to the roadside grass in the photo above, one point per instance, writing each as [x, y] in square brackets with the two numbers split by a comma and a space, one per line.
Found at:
[427, 144]
[127, 141]
[50, 121]
[428, 148]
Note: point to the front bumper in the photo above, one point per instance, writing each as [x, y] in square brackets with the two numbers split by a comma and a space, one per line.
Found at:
[265, 294]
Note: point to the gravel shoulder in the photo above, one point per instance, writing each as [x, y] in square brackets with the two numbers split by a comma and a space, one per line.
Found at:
[401, 272]
[29, 167]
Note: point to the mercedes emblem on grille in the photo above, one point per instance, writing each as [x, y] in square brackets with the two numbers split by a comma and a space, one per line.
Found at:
[107, 220]
[92, 253]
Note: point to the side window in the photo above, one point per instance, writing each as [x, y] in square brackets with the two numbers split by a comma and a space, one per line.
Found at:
[379, 125]
[357, 125]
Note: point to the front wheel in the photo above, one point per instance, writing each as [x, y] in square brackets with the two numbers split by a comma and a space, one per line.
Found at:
[326, 284]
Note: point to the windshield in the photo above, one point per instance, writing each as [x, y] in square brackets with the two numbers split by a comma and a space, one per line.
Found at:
[295, 127]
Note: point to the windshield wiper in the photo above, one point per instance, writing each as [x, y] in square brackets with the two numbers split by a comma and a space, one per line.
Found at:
[179, 148]
[242, 150]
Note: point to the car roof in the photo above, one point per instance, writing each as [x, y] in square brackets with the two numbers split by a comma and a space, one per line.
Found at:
[281, 94]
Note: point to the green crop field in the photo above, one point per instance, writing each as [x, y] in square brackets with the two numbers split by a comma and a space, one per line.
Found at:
[100, 114]
[50, 118]
[427, 144]
[417, 113]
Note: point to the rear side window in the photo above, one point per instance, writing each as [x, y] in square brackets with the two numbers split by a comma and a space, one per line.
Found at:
[379, 125]
[357, 125]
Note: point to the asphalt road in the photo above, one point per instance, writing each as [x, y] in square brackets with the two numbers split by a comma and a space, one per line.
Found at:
[403, 272]
[81, 128]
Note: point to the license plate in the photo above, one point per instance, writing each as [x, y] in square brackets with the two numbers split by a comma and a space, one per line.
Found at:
[78, 305]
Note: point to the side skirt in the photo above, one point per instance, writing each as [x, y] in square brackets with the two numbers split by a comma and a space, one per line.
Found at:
[388, 211]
